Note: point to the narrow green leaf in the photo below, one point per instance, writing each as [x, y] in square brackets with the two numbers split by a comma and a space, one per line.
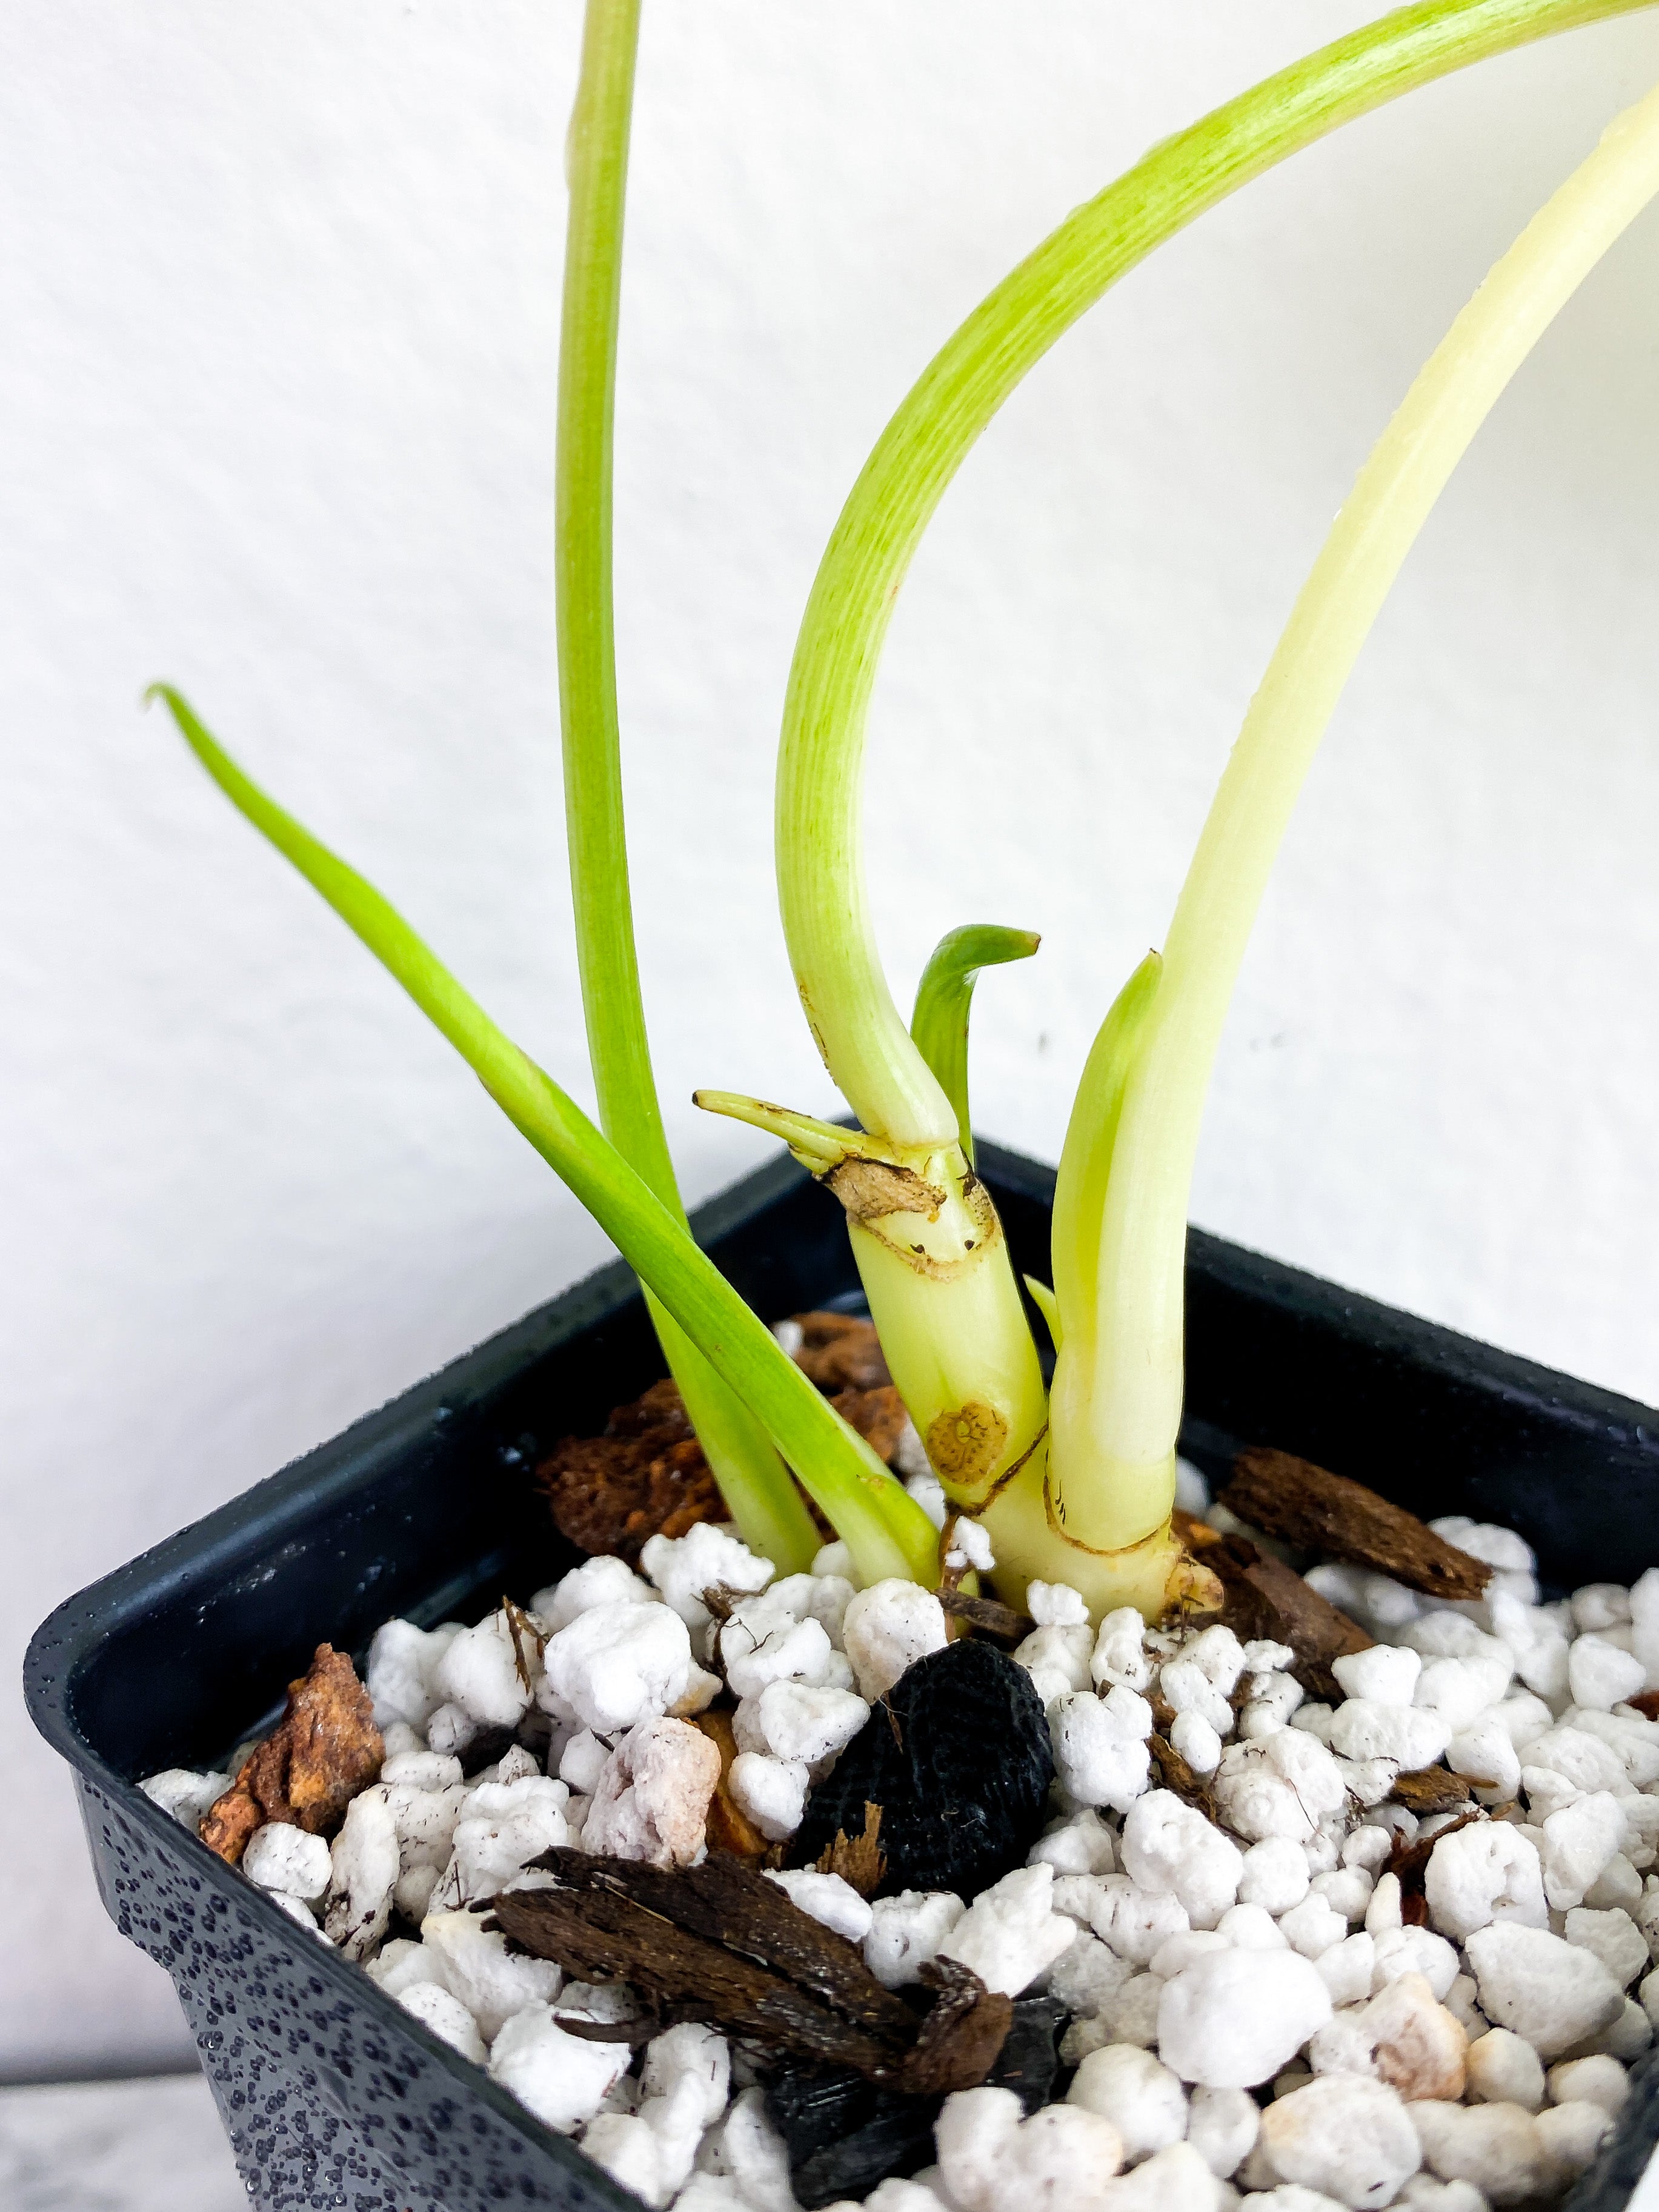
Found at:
[887, 1531]
[1085, 1158]
[1048, 1306]
[939, 1024]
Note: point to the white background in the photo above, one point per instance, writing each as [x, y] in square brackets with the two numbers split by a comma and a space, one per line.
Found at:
[281, 283]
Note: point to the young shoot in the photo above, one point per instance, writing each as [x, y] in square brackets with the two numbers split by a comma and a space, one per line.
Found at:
[1116, 1406]
[936, 1274]
[1075, 1485]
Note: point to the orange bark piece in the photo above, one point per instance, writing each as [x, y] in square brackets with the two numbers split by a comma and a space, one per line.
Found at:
[322, 1751]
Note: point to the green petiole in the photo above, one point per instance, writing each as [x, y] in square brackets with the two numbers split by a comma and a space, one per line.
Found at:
[752, 1479]
[819, 839]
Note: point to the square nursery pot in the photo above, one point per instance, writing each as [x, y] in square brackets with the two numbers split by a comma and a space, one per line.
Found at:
[331, 2094]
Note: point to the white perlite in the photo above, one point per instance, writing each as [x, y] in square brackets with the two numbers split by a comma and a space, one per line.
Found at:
[1553, 1993]
[1197, 1960]
[1235, 2018]
[1348, 2138]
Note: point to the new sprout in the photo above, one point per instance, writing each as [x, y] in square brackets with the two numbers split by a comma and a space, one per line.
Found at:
[1073, 1484]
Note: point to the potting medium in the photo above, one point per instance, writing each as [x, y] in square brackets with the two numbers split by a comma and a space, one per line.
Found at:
[1239, 2002]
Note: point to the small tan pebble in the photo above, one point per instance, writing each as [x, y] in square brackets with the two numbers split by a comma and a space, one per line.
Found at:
[1222, 2126]
[1495, 2146]
[1420, 2049]
[1596, 2080]
[652, 1799]
[1571, 2134]
[1504, 2068]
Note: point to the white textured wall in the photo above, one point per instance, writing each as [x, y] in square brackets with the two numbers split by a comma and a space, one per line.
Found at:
[274, 396]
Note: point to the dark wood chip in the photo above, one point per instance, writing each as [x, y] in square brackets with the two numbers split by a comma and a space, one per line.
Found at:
[878, 1415]
[961, 2037]
[646, 1476]
[322, 1751]
[1645, 1702]
[635, 2033]
[1317, 1511]
[859, 1860]
[719, 1942]
[1424, 1790]
[841, 1352]
[987, 1618]
[1264, 1598]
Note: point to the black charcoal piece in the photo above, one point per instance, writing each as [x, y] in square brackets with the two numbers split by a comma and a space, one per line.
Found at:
[1029, 2061]
[485, 1748]
[956, 1755]
[843, 2136]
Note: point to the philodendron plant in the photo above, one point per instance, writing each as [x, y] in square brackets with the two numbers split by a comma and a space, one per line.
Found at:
[1074, 1483]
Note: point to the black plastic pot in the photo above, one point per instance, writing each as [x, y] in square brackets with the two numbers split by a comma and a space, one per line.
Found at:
[332, 2095]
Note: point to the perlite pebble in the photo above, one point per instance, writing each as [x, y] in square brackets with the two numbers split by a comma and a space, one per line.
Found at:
[1011, 1933]
[280, 1856]
[1141, 2098]
[445, 2016]
[602, 1581]
[1062, 2158]
[828, 1900]
[1596, 2080]
[1121, 1658]
[1504, 2068]
[1235, 2019]
[1100, 1747]
[1386, 1674]
[474, 1964]
[398, 1676]
[1349, 2137]
[1222, 2125]
[1169, 1846]
[479, 1673]
[1614, 1938]
[1571, 2134]
[615, 1665]
[564, 2079]
[1135, 1922]
[1275, 1874]
[362, 1874]
[651, 1802]
[1495, 2146]
[1599, 1676]
[1082, 1844]
[796, 1720]
[1483, 1872]
[706, 1557]
[905, 1931]
[887, 1628]
[770, 1792]
[1548, 1991]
